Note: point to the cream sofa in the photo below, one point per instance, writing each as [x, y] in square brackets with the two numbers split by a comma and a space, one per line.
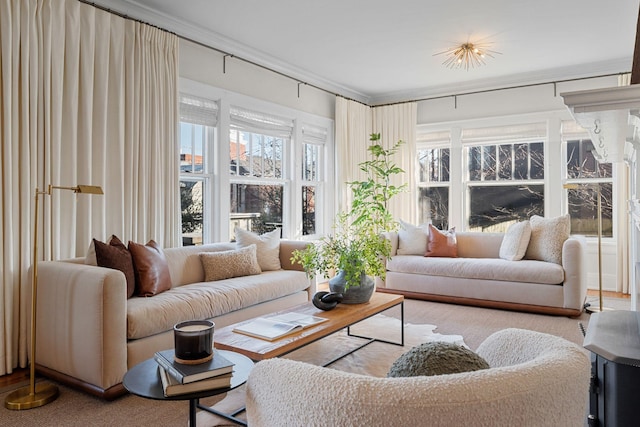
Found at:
[89, 334]
[534, 379]
[478, 276]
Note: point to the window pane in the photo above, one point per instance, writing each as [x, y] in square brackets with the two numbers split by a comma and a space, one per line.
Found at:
[310, 162]
[192, 208]
[434, 164]
[489, 163]
[308, 210]
[259, 205]
[434, 206]
[475, 163]
[505, 161]
[583, 209]
[495, 208]
[521, 156]
[193, 139]
[536, 158]
[582, 164]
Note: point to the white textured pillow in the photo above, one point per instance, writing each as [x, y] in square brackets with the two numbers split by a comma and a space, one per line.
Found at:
[547, 237]
[515, 242]
[412, 240]
[228, 264]
[268, 245]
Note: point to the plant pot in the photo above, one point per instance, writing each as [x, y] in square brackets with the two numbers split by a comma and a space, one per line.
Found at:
[355, 294]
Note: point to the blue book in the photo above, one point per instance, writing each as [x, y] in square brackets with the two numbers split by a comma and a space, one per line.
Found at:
[185, 374]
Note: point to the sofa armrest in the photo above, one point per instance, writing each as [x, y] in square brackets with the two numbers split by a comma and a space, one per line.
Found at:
[81, 322]
[574, 262]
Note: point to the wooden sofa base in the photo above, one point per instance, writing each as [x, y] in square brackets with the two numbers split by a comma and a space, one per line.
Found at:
[111, 393]
[529, 308]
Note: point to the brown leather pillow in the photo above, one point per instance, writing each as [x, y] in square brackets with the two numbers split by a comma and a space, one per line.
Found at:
[151, 269]
[115, 254]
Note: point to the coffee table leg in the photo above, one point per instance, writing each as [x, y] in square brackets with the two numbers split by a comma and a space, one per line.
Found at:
[230, 417]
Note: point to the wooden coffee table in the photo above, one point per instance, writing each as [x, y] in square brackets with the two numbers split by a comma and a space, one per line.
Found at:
[341, 317]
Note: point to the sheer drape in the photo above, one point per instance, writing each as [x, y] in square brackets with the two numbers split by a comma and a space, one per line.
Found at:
[86, 97]
[395, 123]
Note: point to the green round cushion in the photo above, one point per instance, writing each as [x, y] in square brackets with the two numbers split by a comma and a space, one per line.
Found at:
[436, 358]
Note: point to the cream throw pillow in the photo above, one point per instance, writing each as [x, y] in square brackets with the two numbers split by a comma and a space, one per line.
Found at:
[547, 237]
[515, 242]
[412, 240]
[228, 264]
[268, 247]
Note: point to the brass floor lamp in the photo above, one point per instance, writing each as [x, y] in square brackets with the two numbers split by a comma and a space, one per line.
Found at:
[600, 307]
[36, 395]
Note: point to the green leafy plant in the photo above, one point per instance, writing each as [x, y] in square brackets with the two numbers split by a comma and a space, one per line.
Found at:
[356, 245]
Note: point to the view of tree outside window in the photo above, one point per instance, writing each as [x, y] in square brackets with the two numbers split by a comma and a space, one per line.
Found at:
[310, 178]
[198, 118]
[587, 174]
[506, 184]
[257, 187]
[433, 186]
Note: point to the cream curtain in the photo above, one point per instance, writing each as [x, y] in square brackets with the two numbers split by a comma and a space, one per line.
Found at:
[86, 97]
[353, 128]
[395, 123]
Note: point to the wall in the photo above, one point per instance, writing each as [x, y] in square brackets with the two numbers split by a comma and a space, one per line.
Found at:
[207, 66]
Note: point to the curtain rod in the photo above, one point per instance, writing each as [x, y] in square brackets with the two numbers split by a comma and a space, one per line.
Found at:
[454, 95]
[223, 52]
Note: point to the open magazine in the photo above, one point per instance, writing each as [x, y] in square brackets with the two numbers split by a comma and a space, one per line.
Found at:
[275, 327]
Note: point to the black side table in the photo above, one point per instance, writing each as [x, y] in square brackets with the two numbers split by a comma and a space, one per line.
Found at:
[144, 380]
[613, 337]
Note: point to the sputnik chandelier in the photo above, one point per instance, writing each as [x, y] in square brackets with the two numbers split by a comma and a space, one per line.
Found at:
[467, 55]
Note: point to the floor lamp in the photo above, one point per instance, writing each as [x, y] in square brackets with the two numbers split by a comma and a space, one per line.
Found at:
[33, 396]
[600, 308]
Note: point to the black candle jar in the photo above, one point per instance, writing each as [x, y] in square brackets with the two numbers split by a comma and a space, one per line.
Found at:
[193, 341]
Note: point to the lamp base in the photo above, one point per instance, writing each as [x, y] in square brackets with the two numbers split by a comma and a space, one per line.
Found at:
[22, 398]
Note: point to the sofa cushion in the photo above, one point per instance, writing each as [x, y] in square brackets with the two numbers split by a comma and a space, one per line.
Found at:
[204, 300]
[526, 271]
[115, 254]
[227, 264]
[151, 269]
[515, 242]
[268, 247]
[436, 358]
[547, 237]
[412, 240]
[441, 243]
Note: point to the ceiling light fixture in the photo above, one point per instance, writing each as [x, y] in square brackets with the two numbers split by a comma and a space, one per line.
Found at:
[467, 55]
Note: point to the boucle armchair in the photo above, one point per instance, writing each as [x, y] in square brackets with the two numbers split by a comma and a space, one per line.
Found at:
[535, 379]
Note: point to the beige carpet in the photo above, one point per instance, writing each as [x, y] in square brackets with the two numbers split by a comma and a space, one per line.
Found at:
[454, 323]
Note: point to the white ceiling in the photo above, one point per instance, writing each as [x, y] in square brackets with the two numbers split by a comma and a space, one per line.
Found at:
[379, 51]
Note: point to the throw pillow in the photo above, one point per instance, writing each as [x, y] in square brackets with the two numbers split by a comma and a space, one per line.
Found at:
[436, 358]
[151, 269]
[115, 254]
[515, 242]
[228, 264]
[412, 240]
[547, 237]
[442, 243]
[268, 247]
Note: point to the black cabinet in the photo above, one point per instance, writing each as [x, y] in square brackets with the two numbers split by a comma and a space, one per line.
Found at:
[613, 337]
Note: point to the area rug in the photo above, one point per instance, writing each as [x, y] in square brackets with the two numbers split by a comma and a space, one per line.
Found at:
[73, 408]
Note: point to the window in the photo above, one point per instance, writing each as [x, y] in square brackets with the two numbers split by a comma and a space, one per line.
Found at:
[314, 139]
[198, 120]
[585, 177]
[433, 179]
[505, 175]
[258, 143]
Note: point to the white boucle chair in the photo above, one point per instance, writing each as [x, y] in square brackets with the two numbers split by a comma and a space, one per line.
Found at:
[535, 379]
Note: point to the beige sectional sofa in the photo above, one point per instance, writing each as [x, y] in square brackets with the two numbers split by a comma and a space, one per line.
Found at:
[89, 333]
[478, 276]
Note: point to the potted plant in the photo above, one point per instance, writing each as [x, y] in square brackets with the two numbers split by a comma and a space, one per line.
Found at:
[356, 249]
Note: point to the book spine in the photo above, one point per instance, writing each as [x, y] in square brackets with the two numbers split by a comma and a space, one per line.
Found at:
[171, 370]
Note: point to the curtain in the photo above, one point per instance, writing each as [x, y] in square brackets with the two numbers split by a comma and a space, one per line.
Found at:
[353, 128]
[395, 123]
[86, 97]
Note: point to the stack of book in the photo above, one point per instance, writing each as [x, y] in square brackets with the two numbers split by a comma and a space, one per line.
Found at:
[179, 378]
